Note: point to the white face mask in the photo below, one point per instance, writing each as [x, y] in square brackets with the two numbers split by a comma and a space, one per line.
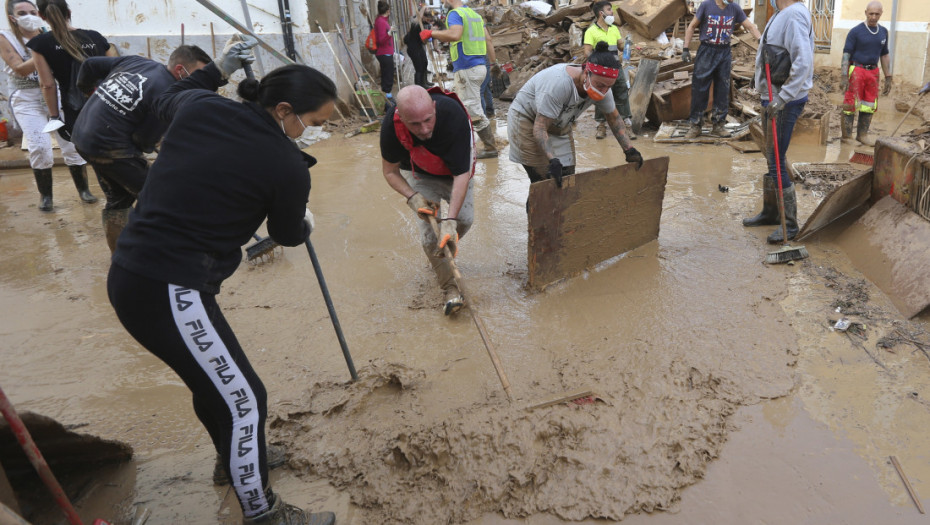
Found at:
[307, 136]
[30, 23]
[609, 20]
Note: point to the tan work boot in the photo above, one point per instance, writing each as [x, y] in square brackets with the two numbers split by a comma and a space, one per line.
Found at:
[276, 458]
[693, 132]
[281, 513]
[629, 128]
[601, 130]
[113, 223]
[490, 144]
[452, 300]
[862, 131]
[720, 130]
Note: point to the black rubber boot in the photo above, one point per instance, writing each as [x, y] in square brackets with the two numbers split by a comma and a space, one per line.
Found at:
[847, 128]
[281, 513]
[113, 223]
[791, 218]
[862, 130]
[769, 213]
[79, 176]
[44, 183]
[276, 458]
[490, 145]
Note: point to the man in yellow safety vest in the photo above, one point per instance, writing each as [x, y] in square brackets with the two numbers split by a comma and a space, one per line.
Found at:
[471, 50]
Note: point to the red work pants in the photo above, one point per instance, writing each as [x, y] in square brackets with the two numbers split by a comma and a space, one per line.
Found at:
[862, 93]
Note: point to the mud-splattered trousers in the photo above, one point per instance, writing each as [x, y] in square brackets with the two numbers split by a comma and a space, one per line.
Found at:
[784, 124]
[186, 329]
[437, 188]
[712, 64]
[31, 114]
[862, 93]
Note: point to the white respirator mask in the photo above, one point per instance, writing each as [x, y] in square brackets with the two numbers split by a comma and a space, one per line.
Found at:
[609, 20]
[30, 23]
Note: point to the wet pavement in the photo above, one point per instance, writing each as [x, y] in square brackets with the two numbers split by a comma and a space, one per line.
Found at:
[727, 397]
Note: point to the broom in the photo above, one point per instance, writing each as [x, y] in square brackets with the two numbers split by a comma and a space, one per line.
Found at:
[786, 252]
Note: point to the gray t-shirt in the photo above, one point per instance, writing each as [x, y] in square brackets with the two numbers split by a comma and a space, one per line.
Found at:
[551, 93]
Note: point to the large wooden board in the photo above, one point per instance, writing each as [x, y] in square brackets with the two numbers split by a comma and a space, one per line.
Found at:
[596, 215]
[641, 92]
[651, 17]
[842, 200]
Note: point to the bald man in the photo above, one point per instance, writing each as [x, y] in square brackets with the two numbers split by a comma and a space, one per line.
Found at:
[866, 46]
[428, 155]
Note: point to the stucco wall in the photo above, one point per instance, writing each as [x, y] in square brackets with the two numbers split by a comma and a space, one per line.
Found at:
[153, 28]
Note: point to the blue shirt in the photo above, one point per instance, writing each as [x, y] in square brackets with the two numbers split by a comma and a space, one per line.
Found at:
[717, 25]
[864, 47]
[464, 61]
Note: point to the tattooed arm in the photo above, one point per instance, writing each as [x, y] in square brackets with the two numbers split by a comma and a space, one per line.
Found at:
[619, 129]
[540, 133]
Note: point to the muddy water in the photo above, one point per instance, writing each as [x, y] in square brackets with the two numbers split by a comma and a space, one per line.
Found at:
[674, 337]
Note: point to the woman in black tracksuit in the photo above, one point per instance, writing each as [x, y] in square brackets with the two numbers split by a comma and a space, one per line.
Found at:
[224, 167]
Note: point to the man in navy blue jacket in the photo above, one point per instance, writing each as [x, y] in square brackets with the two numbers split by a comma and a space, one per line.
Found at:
[117, 126]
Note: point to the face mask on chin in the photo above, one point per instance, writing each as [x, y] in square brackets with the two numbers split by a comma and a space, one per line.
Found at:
[30, 23]
[592, 91]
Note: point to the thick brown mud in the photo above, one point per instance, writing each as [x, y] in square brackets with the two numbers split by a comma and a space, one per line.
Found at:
[710, 364]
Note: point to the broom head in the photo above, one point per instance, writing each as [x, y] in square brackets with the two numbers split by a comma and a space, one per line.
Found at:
[787, 253]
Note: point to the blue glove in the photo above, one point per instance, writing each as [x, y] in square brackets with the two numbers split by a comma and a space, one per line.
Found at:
[924, 89]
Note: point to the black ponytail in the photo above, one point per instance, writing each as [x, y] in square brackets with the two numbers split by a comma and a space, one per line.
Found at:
[248, 89]
[603, 56]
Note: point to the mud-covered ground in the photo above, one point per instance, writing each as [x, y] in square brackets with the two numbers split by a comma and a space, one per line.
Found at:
[724, 394]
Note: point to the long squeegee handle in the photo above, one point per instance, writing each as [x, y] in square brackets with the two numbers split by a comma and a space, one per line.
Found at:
[332, 309]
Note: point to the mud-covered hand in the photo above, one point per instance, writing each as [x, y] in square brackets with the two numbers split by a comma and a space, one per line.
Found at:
[308, 218]
[634, 156]
[555, 171]
[449, 235]
[238, 51]
[421, 206]
[426, 34]
[773, 108]
[686, 56]
[889, 83]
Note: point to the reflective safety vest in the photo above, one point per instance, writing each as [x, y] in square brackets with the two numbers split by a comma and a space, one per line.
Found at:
[419, 155]
[473, 43]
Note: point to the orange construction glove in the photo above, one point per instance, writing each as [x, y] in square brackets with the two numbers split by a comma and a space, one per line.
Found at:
[422, 207]
[426, 34]
[449, 235]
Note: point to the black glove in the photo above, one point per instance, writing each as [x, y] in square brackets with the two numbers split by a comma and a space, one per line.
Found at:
[555, 171]
[686, 56]
[771, 111]
[634, 156]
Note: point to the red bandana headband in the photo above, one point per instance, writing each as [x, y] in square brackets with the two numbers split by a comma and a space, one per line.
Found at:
[603, 71]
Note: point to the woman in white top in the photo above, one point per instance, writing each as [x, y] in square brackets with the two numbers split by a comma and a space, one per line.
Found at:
[29, 107]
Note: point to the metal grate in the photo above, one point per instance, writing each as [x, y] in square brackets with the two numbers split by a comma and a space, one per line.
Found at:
[822, 20]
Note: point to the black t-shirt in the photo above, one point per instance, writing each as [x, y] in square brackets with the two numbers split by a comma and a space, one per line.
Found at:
[451, 140]
[93, 44]
[117, 121]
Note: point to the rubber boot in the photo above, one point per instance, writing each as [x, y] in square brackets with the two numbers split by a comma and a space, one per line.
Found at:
[79, 176]
[791, 218]
[693, 132]
[769, 213]
[281, 513]
[113, 223]
[276, 458]
[601, 130]
[44, 183]
[490, 145]
[847, 128]
[862, 131]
